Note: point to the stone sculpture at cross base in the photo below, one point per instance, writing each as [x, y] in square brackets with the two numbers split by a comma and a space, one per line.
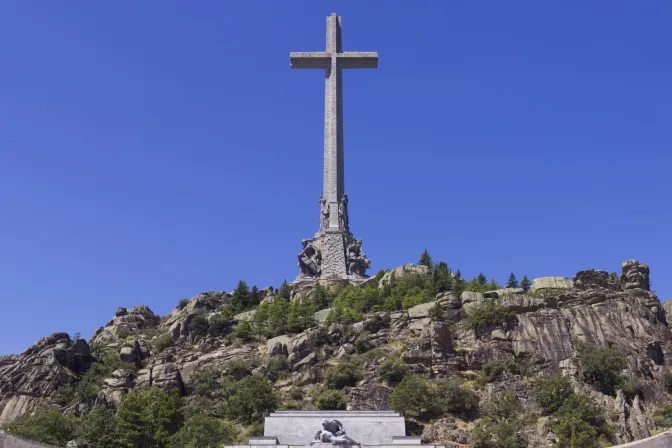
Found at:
[333, 253]
[332, 432]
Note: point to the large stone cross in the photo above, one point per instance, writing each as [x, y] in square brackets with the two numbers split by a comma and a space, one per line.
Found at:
[333, 61]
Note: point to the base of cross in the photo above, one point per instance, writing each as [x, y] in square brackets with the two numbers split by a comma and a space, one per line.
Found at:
[332, 255]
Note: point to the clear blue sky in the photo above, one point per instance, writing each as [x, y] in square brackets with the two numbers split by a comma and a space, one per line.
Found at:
[152, 150]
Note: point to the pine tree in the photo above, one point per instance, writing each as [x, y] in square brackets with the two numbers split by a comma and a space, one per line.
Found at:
[260, 318]
[277, 316]
[425, 259]
[525, 283]
[240, 297]
[293, 318]
[285, 291]
[458, 282]
[254, 297]
[320, 297]
[481, 279]
[512, 282]
[443, 281]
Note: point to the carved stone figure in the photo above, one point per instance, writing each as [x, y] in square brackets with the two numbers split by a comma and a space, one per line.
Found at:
[310, 260]
[324, 213]
[343, 213]
[332, 432]
[357, 262]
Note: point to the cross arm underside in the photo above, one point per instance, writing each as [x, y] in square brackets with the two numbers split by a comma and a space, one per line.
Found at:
[358, 59]
[309, 60]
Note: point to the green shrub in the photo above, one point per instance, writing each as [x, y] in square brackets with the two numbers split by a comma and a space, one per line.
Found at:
[162, 342]
[182, 304]
[99, 428]
[502, 426]
[64, 395]
[275, 367]
[663, 417]
[601, 367]
[413, 397]
[342, 375]
[46, 426]
[253, 397]
[552, 391]
[491, 370]
[243, 330]
[296, 393]
[148, 417]
[489, 313]
[455, 399]
[490, 433]
[581, 423]
[393, 369]
[329, 399]
[201, 431]
[503, 405]
[573, 433]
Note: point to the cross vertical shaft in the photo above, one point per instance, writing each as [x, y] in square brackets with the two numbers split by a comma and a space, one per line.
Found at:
[334, 176]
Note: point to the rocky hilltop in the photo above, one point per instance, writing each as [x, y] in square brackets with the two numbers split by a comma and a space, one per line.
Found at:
[603, 338]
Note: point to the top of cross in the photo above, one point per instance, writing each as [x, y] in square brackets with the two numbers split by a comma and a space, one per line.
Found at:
[334, 52]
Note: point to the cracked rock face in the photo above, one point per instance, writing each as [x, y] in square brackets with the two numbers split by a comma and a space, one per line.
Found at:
[28, 380]
[635, 276]
[594, 307]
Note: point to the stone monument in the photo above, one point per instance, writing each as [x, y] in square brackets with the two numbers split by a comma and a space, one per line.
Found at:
[333, 253]
[326, 429]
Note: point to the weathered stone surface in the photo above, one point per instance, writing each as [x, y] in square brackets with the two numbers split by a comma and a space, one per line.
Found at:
[400, 272]
[420, 311]
[551, 283]
[635, 275]
[593, 279]
[126, 322]
[369, 397]
[522, 303]
[470, 296]
[497, 293]
[321, 316]
[29, 379]
[167, 376]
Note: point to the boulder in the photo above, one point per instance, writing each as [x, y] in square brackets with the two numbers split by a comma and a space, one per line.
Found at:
[321, 316]
[420, 311]
[593, 279]
[471, 296]
[167, 376]
[131, 352]
[635, 275]
[497, 293]
[306, 361]
[542, 283]
[400, 272]
[369, 397]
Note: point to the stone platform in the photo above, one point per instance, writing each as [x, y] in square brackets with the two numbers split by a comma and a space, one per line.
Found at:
[285, 429]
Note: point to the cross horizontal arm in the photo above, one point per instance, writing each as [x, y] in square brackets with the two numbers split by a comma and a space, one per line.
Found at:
[309, 60]
[357, 59]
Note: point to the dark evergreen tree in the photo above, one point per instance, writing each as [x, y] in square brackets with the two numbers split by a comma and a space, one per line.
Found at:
[426, 259]
[285, 291]
[458, 282]
[481, 279]
[525, 283]
[320, 297]
[443, 281]
[512, 282]
[254, 297]
[240, 297]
